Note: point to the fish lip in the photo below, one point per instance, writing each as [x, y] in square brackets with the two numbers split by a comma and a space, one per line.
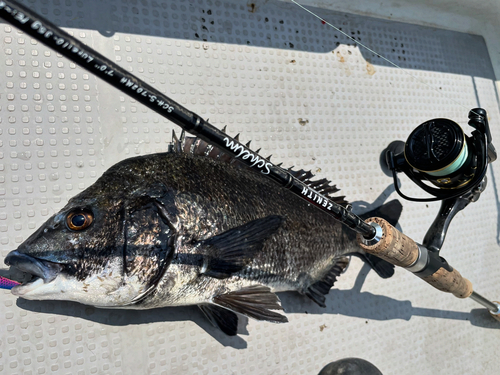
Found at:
[40, 268]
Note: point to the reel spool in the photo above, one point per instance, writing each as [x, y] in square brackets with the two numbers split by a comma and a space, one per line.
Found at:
[446, 163]
[441, 159]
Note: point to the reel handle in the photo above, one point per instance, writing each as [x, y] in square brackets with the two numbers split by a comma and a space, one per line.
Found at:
[400, 250]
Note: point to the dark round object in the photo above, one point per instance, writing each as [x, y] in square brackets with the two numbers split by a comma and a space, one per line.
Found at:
[434, 145]
[78, 220]
[350, 366]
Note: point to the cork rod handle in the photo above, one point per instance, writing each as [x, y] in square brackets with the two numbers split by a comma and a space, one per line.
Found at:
[401, 250]
[394, 247]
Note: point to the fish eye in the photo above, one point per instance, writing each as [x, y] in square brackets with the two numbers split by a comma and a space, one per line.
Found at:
[79, 220]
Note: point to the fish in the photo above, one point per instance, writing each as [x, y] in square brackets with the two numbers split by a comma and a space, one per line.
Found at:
[190, 226]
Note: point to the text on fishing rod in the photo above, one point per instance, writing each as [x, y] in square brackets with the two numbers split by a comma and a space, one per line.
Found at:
[244, 154]
[143, 92]
[315, 197]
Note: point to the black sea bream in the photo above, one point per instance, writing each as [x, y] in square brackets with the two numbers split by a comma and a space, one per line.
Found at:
[183, 228]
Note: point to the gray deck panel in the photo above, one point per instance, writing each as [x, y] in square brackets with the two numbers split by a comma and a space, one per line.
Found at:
[287, 85]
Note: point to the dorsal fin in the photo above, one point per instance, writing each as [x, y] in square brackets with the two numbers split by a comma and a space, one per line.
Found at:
[197, 146]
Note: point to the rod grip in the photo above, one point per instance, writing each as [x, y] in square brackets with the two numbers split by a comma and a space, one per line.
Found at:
[450, 282]
[400, 250]
[394, 247]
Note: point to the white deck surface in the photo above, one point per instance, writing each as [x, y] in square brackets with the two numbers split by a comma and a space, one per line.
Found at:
[300, 91]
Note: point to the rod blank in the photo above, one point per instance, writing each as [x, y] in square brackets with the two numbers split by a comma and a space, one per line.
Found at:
[63, 43]
[492, 306]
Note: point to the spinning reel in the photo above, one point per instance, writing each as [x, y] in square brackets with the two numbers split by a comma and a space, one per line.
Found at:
[445, 163]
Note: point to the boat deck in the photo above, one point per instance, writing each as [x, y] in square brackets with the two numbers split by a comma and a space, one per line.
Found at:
[302, 92]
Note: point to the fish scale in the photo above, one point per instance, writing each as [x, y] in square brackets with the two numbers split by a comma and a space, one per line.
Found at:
[183, 228]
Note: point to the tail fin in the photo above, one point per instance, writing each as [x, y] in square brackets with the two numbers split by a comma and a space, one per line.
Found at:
[390, 211]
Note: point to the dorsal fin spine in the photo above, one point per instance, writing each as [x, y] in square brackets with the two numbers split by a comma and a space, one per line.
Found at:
[197, 146]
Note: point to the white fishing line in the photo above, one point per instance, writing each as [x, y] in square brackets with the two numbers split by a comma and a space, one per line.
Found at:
[325, 22]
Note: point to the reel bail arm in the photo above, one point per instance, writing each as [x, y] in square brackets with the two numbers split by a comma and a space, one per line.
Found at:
[435, 236]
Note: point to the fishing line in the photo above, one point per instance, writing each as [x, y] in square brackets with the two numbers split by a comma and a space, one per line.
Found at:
[432, 88]
[386, 242]
[60, 41]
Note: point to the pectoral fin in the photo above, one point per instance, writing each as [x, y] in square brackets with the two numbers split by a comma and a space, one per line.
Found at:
[255, 302]
[232, 250]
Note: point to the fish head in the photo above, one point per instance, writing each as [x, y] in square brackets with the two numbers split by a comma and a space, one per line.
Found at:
[108, 247]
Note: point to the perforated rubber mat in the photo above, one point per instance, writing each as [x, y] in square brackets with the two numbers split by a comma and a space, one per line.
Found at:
[303, 93]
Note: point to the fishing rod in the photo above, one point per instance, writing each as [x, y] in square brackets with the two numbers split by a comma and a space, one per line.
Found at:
[376, 235]
[52, 36]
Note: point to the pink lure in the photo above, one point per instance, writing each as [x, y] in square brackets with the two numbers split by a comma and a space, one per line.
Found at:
[7, 283]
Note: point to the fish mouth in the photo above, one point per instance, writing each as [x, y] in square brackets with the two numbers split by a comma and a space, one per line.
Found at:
[41, 271]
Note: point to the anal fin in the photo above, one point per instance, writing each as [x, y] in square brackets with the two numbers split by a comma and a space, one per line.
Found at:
[319, 289]
[255, 302]
[222, 318]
